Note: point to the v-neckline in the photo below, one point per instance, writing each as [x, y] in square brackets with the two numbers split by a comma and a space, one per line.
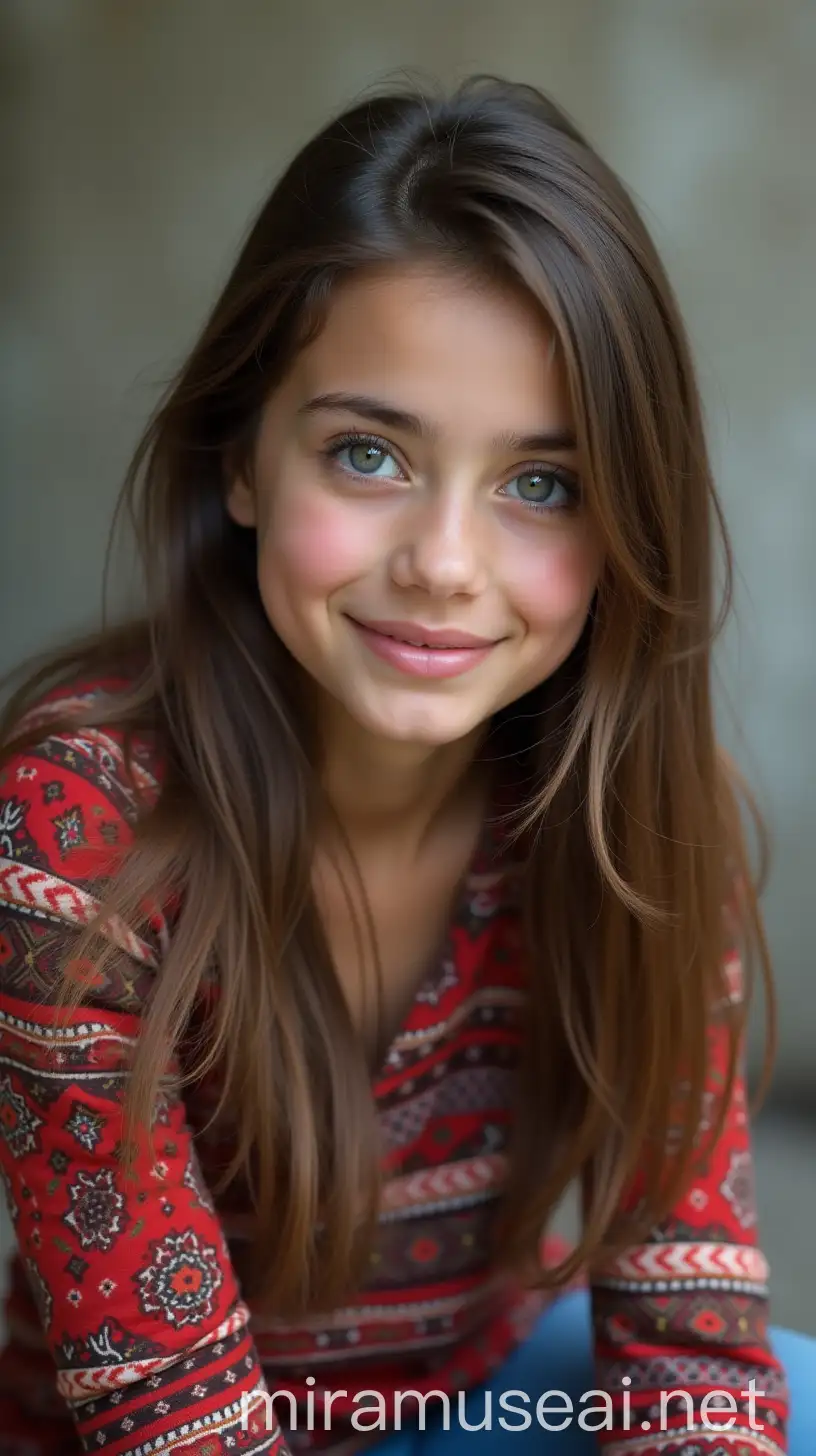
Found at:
[485, 853]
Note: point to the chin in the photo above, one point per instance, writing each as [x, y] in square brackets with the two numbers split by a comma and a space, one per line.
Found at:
[432, 725]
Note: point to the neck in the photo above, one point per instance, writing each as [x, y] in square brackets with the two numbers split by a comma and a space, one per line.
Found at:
[385, 789]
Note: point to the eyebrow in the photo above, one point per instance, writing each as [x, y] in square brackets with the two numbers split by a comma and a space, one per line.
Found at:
[398, 419]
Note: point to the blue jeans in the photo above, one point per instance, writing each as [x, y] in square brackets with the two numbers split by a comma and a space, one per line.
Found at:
[561, 1346]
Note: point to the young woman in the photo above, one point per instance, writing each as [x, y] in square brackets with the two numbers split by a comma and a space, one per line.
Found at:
[385, 879]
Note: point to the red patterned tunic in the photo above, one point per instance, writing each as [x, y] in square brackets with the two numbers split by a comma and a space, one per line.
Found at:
[126, 1286]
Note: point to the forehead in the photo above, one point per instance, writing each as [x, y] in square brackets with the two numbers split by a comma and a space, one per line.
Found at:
[461, 352]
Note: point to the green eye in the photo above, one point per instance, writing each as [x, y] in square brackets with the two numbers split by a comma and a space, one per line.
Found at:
[543, 488]
[533, 486]
[366, 457]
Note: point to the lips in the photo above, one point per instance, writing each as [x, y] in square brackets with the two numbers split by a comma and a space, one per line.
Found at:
[423, 652]
[416, 635]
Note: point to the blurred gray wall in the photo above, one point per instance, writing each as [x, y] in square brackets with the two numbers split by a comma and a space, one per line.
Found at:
[141, 136]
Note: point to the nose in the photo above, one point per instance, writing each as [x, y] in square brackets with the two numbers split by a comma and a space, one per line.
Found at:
[440, 550]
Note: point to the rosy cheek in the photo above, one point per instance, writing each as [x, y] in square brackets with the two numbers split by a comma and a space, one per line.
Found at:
[318, 544]
[554, 584]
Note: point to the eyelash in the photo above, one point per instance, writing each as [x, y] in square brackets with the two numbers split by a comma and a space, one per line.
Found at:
[564, 478]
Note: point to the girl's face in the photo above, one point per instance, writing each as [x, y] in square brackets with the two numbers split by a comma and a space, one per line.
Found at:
[416, 482]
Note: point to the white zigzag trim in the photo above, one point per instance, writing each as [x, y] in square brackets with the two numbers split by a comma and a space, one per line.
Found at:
[44, 892]
[448, 1183]
[688, 1261]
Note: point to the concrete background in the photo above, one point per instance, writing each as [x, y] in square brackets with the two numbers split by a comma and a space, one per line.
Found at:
[140, 137]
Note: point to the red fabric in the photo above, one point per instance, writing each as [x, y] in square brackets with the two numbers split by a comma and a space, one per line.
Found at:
[126, 1321]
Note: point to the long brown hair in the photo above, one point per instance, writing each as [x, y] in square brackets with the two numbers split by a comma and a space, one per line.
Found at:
[634, 825]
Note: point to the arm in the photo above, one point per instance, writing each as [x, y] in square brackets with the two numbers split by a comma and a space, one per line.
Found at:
[688, 1309]
[131, 1274]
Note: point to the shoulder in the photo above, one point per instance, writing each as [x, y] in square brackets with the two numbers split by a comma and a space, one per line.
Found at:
[70, 796]
[73, 789]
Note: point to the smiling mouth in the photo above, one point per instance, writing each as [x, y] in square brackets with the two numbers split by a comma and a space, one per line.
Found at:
[433, 639]
[420, 652]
